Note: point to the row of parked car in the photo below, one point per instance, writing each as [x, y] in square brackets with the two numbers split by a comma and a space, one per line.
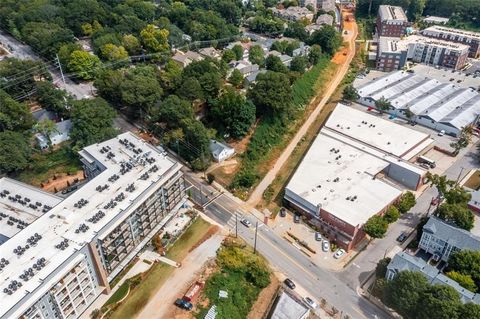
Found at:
[308, 301]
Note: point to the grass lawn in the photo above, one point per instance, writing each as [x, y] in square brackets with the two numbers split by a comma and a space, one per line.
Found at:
[44, 165]
[153, 279]
[119, 294]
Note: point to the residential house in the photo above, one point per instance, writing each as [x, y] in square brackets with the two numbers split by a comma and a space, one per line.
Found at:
[61, 134]
[184, 59]
[220, 151]
[293, 13]
[252, 78]
[324, 19]
[210, 52]
[405, 262]
[441, 239]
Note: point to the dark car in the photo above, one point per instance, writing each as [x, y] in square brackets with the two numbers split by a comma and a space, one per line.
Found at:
[402, 237]
[296, 218]
[289, 283]
[283, 212]
[183, 304]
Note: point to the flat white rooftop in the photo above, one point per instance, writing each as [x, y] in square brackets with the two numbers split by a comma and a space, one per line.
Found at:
[387, 12]
[374, 131]
[127, 160]
[340, 179]
[452, 31]
[441, 101]
[21, 205]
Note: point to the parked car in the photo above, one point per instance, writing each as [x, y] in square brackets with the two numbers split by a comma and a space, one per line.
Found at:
[425, 165]
[246, 222]
[441, 133]
[296, 218]
[289, 283]
[283, 212]
[183, 304]
[402, 237]
[339, 253]
[325, 245]
[318, 236]
[312, 304]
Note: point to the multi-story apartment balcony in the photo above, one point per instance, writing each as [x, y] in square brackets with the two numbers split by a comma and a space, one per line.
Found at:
[71, 286]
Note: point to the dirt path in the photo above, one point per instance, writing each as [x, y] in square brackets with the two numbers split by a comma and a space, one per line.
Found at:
[161, 304]
[257, 194]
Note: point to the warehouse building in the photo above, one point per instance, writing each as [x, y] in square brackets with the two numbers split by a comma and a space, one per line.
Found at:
[73, 248]
[424, 100]
[355, 169]
[469, 38]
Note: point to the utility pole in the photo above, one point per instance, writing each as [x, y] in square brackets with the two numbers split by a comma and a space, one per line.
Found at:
[60, 66]
[459, 175]
[255, 242]
[236, 224]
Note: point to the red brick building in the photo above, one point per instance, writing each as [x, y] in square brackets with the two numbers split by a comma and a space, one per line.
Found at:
[391, 21]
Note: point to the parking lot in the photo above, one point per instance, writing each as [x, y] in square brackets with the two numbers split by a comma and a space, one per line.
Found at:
[284, 226]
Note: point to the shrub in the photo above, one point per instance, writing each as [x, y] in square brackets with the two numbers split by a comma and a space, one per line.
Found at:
[391, 215]
[407, 201]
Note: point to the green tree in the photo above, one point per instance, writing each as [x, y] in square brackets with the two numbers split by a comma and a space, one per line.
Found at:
[131, 44]
[190, 89]
[299, 64]
[315, 54]
[18, 77]
[92, 122]
[232, 113]
[228, 56]
[465, 281]
[16, 151]
[381, 268]
[466, 262]
[415, 9]
[65, 52]
[463, 140]
[111, 52]
[196, 135]
[406, 202]
[438, 301]
[46, 38]
[53, 99]
[457, 195]
[392, 214]
[273, 63]
[405, 292]
[327, 38]
[271, 93]
[14, 116]
[173, 110]
[469, 311]
[236, 78]
[350, 93]
[154, 40]
[210, 83]
[383, 105]
[256, 55]
[238, 51]
[84, 64]
[376, 227]
[171, 76]
[459, 214]
[296, 30]
[108, 83]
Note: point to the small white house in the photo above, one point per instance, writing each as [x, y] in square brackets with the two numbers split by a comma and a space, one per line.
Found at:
[61, 135]
[220, 151]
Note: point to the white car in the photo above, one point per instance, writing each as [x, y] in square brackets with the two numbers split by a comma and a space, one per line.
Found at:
[325, 245]
[312, 304]
[441, 133]
[246, 222]
[339, 253]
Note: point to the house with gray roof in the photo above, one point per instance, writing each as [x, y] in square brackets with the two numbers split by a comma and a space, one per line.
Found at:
[220, 151]
[405, 262]
[441, 239]
[61, 134]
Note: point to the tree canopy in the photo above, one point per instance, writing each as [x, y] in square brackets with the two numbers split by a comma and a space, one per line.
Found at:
[14, 116]
[376, 227]
[16, 151]
[271, 93]
[327, 38]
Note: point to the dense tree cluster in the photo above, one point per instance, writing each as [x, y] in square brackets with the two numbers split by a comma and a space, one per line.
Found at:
[465, 266]
[413, 297]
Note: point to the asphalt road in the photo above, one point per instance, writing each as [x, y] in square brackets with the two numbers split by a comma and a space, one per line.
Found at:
[24, 52]
[282, 255]
[357, 272]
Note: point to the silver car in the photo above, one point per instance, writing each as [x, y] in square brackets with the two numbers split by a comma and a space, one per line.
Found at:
[325, 245]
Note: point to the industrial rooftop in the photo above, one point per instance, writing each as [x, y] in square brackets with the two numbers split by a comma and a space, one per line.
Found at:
[443, 102]
[376, 132]
[130, 167]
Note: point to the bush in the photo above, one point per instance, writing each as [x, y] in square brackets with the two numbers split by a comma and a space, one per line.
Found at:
[210, 178]
[381, 269]
[391, 215]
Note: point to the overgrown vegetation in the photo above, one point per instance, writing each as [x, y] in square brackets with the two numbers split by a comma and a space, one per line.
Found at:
[242, 274]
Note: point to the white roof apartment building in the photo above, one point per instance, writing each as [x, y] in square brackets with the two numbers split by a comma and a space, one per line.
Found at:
[352, 171]
[57, 265]
[469, 38]
[432, 103]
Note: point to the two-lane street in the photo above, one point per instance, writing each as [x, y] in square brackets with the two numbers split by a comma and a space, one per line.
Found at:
[283, 256]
